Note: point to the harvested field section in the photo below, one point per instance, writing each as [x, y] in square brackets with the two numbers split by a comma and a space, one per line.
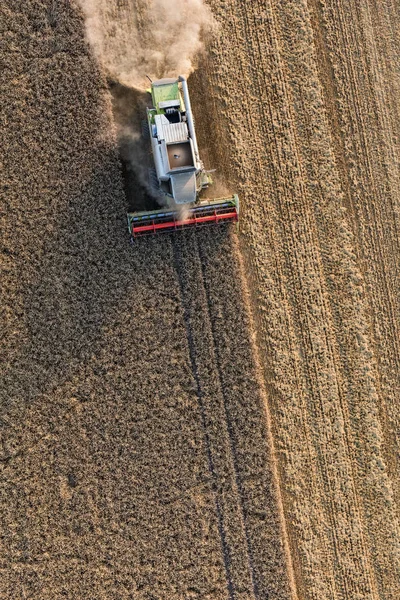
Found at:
[367, 137]
[314, 303]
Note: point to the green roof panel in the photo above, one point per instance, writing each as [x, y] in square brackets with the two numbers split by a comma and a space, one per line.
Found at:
[168, 91]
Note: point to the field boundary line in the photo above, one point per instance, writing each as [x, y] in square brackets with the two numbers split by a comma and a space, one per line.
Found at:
[247, 298]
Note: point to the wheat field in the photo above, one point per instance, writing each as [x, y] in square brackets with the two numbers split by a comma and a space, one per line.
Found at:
[212, 414]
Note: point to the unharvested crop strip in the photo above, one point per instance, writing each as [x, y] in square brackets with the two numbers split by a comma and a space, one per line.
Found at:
[192, 353]
[238, 572]
[202, 257]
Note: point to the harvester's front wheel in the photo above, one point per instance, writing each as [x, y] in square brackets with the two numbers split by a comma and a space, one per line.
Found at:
[154, 185]
[145, 130]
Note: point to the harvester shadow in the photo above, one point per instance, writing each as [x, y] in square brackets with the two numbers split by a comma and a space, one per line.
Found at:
[86, 277]
[129, 113]
[86, 270]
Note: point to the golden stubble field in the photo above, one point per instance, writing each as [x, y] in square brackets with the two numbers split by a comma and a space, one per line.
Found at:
[314, 143]
[205, 416]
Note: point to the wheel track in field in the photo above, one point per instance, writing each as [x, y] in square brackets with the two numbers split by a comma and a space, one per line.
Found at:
[202, 260]
[251, 488]
[188, 258]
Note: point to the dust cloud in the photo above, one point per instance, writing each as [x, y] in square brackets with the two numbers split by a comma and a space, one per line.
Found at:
[134, 40]
[137, 38]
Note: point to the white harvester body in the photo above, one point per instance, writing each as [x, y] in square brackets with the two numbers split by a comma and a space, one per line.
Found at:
[179, 173]
[174, 142]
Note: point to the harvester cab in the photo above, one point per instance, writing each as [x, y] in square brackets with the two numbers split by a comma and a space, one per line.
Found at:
[178, 176]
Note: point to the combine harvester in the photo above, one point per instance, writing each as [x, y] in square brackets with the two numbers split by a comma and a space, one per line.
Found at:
[179, 174]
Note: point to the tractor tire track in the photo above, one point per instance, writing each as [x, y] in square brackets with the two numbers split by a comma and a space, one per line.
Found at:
[216, 426]
[254, 504]
[248, 422]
